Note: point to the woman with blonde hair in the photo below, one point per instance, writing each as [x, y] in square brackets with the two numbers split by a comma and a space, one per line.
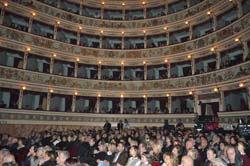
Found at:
[170, 159]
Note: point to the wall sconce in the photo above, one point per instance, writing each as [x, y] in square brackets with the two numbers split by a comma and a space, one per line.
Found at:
[123, 4]
[144, 31]
[33, 14]
[212, 49]
[216, 89]
[28, 49]
[75, 93]
[144, 96]
[80, 28]
[189, 56]
[101, 31]
[166, 61]
[51, 90]
[122, 63]
[208, 13]
[99, 95]
[5, 4]
[186, 22]
[165, 28]
[58, 22]
[167, 95]
[100, 62]
[121, 96]
[24, 88]
[54, 55]
[190, 92]
[143, 3]
[241, 85]
[77, 59]
[144, 62]
[237, 40]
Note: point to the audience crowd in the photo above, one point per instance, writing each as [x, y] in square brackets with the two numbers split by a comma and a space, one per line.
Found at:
[125, 146]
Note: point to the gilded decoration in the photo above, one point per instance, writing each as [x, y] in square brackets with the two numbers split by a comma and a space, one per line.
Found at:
[239, 71]
[39, 6]
[218, 36]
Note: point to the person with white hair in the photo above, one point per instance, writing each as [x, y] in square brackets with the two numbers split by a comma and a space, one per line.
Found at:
[218, 162]
[187, 161]
[62, 157]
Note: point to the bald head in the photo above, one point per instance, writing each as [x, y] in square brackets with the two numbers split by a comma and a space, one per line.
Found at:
[8, 158]
[187, 161]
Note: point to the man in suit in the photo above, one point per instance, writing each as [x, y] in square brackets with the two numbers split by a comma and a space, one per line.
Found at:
[120, 125]
[121, 157]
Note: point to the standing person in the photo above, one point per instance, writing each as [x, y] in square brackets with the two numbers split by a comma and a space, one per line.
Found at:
[107, 126]
[120, 125]
[126, 124]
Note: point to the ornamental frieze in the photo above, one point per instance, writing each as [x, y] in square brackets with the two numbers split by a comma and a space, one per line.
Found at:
[36, 5]
[231, 73]
[29, 39]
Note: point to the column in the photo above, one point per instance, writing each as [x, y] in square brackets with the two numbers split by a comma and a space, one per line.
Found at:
[190, 32]
[78, 36]
[218, 60]
[221, 102]
[73, 103]
[245, 50]
[167, 36]
[2, 15]
[30, 24]
[169, 70]
[51, 65]
[102, 11]
[80, 11]
[76, 69]
[99, 71]
[55, 31]
[145, 105]
[48, 101]
[188, 3]
[145, 11]
[196, 102]
[122, 72]
[123, 13]
[166, 8]
[169, 104]
[25, 58]
[214, 23]
[123, 42]
[98, 104]
[122, 105]
[145, 40]
[20, 99]
[58, 4]
[145, 71]
[248, 89]
[193, 65]
[101, 41]
[239, 9]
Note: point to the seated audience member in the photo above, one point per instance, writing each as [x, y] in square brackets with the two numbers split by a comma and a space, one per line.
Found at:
[3, 153]
[71, 162]
[62, 157]
[170, 159]
[234, 157]
[134, 159]
[49, 159]
[211, 154]
[218, 162]
[187, 161]
[193, 153]
[9, 158]
[145, 159]
[244, 156]
[121, 157]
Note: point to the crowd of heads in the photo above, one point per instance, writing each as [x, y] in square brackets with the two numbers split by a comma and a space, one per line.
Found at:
[148, 146]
